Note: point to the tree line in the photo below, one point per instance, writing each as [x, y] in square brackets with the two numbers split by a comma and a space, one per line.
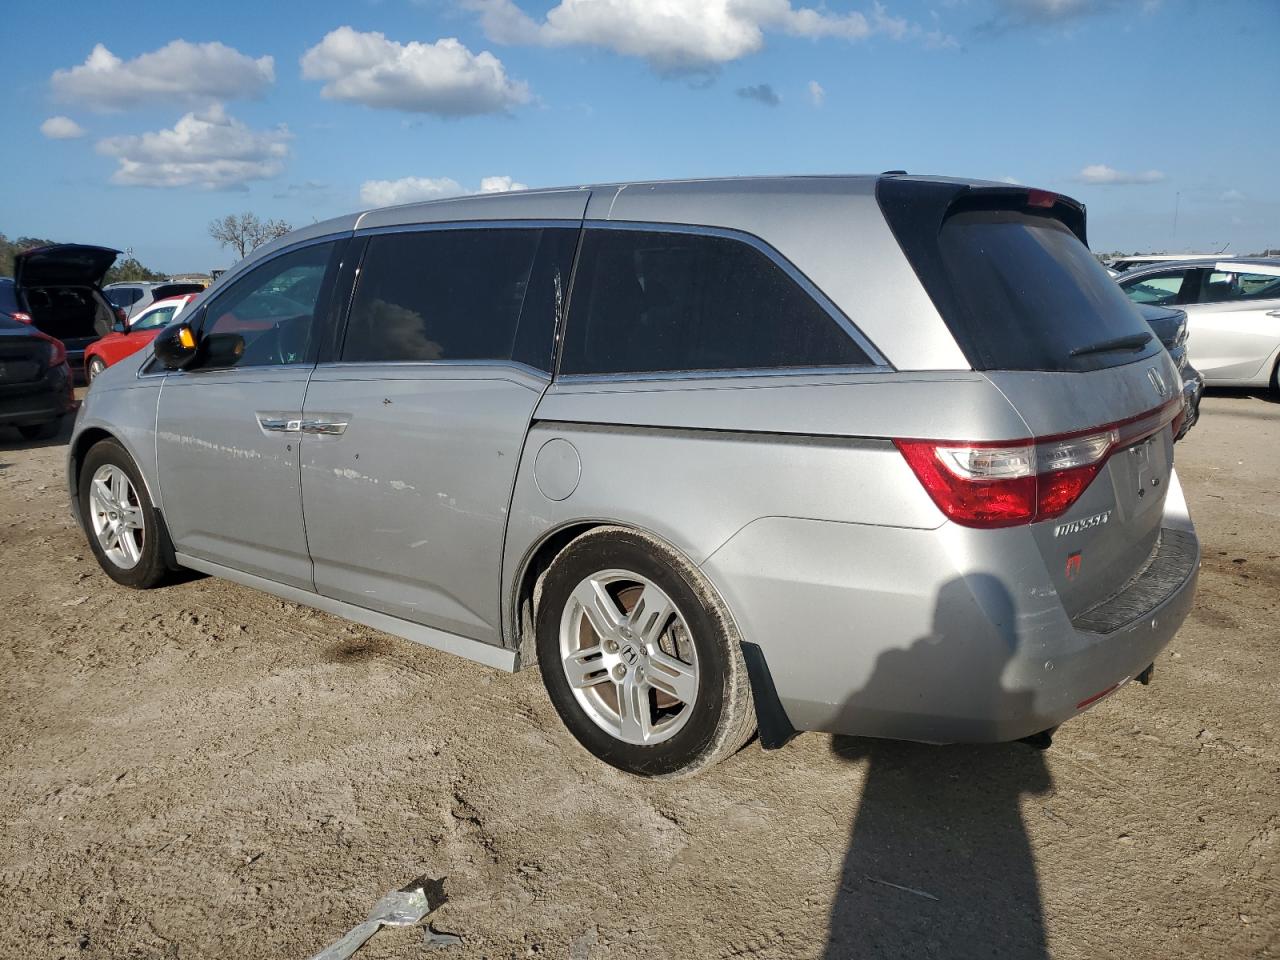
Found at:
[243, 233]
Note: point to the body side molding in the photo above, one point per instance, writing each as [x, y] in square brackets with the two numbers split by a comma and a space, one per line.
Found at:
[487, 654]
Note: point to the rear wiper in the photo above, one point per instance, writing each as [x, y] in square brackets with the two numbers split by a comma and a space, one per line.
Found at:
[1134, 341]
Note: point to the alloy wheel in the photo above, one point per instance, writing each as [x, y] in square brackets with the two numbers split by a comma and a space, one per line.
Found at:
[116, 515]
[627, 653]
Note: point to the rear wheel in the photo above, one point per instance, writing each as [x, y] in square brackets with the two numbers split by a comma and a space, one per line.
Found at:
[96, 366]
[639, 658]
[123, 527]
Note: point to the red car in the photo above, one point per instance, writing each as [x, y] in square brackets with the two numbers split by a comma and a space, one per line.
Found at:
[123, 341]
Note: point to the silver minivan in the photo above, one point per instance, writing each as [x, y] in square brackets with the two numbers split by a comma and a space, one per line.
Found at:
[885, 455]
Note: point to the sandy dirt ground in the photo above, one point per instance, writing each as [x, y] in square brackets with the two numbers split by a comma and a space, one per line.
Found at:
[205, 771]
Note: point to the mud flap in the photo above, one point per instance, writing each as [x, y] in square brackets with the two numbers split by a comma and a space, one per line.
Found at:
[772, 722]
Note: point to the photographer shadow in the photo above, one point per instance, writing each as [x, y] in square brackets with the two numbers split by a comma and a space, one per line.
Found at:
[939, 863]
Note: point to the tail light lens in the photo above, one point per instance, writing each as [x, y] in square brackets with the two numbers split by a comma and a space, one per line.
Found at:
[1006, 483]
[57, 349]
[21, 317]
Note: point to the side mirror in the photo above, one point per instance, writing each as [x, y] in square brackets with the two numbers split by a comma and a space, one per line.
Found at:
[175, 346]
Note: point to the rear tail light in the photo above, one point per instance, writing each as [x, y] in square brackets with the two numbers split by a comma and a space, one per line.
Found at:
[21, 317]
[57, 350]
[1006, 483]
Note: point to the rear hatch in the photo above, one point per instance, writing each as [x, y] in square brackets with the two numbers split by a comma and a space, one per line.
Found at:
[1011, 276]
[61, 288]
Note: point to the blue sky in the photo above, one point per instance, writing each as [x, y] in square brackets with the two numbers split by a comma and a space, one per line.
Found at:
[1133, 106]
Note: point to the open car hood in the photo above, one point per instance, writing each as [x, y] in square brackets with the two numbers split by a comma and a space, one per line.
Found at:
[63, 264]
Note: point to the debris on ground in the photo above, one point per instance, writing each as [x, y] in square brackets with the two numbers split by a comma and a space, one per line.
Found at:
[399, 908]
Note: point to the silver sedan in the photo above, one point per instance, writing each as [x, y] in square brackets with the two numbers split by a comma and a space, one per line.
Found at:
[1233, 315]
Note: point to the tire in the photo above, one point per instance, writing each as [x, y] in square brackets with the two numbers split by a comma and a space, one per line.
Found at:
[41, 431]
[135, 556]
[96, 366]
[616, 653]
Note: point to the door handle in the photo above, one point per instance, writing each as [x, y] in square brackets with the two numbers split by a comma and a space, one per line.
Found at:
[279, 424]
[1273, 313]
[324, 427]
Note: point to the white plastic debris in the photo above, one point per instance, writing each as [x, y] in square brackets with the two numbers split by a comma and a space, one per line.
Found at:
[399, 908]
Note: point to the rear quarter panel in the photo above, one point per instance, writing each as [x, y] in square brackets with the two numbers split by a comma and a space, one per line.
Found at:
[695, 461]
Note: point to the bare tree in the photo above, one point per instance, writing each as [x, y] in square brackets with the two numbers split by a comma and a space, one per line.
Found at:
[245, 233]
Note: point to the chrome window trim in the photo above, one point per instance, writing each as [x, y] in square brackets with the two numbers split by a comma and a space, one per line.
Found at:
[575, 224]
[410, 364]
[741, 373]
[878, 360]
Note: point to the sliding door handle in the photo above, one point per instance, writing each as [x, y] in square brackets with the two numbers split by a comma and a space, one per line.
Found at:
[279, 424]
[325, 427]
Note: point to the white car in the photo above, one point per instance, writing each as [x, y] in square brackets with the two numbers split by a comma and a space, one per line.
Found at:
[1233, 314]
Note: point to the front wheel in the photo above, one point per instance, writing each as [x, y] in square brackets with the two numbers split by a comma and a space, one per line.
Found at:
[96, 366]
[639, 657]
[123, 526]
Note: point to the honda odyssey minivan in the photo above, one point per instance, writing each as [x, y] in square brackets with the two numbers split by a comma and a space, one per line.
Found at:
[886, 455]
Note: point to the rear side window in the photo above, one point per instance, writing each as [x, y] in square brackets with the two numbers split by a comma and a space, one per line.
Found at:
[460, 295]
[652, 301]
[123, 296]
[1222, 287]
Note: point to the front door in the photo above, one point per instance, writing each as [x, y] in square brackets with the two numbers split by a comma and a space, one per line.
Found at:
[413, 436]
[228, 427]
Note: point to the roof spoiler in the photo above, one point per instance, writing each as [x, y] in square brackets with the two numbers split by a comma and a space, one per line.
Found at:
[927, 203]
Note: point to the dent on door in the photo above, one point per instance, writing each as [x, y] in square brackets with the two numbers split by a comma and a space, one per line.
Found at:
[406, 489]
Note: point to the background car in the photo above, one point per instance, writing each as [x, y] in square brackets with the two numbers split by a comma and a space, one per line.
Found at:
[127, 338]
[1121, 264]
[35, 380]
[1233, 314]
[59, 287]
[1170, 326]
[135, 296]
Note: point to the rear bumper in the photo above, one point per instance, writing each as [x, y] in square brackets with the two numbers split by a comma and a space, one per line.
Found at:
[938, 635]
[28, 404]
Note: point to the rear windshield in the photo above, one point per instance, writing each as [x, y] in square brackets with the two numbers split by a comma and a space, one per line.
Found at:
[8, 297]
[1028, 295]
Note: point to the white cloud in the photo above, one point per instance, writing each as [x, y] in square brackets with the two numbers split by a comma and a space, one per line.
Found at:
[388, 193]
[209, 149]
[677, 36]
[816, 93]
[61, 128]
[1232, 196]
[180, 71]
[1013, 181]
[1100, 174]
[500, 185]
[443, 78]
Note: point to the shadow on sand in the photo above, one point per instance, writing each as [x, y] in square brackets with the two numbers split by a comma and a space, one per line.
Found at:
[939, 863]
